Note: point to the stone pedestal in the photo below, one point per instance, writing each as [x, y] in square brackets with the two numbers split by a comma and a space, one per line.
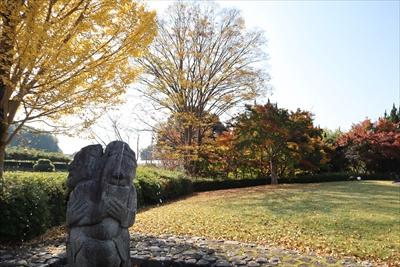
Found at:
[102, 206]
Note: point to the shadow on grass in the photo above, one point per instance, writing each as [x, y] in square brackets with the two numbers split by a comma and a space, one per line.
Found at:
[329, 197]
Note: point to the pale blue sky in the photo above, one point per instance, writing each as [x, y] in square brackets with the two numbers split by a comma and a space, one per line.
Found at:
[338, 59]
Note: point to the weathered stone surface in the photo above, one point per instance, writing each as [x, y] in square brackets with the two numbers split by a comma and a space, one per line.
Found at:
[154, 249]
[172, 253]
[203, 262]
[275, 260]
[190, 261]
[253, 264]
[261, 260]
[101, 207]
[172, 250]
[6, 257]
[210, 258]
[22, 262]
[222, 263]
[239, 263]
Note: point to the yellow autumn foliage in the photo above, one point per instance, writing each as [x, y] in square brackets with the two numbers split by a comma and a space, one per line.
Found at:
[63, 57]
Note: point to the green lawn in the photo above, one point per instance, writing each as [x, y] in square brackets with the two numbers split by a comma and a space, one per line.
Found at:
[359, 219]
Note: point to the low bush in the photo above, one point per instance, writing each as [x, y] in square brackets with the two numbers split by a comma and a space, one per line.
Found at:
[158, 185]
[200, 185]
[44, 165]
[20, 153]
[27, 165]
[33, 202]
[204, 184]
[61, 166]
[18, 165]
[315, 178]
[30, 204]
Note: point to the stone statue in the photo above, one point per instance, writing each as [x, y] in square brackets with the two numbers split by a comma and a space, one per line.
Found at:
[102, 206]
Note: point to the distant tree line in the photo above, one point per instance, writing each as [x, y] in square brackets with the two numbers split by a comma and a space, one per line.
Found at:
[269, 141]
[203, 63]
[29, 137]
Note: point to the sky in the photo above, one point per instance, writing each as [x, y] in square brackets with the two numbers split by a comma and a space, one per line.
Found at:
[338, 59]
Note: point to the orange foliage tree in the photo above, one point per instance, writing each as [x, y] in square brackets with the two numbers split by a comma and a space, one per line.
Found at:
[372, 146]
[276, 142]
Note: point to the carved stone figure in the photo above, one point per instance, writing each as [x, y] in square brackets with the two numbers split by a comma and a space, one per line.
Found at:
[102, 206]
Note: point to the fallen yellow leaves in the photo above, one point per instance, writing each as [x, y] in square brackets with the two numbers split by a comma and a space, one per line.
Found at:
[303, 217]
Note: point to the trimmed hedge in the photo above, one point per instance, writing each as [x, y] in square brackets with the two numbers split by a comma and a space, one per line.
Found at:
[61, 166]
[156, 186]
[27, 165]
[201, 185]
[19, 153]
[44, 165]
[33, 202]
[30, 204]
[18, 165]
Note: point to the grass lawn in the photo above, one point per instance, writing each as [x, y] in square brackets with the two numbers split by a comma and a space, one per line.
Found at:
[359, 219]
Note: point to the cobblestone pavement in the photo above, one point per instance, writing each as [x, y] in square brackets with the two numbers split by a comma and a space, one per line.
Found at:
[168, 250]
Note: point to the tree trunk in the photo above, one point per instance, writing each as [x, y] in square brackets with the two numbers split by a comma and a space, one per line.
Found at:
[190, 135]
[7, 41]
[185, 142]
[274, 177]
[2, 158]
[199, 137]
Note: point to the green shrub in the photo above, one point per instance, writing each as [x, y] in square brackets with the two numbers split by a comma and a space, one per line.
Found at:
[61, 166]
[140, 200]
[30, 204]
[33, 201]
[204, 184]
[18, 165]
[22, 153]
[158, 185]
[201, 185]
[27, 165]
[44, 165]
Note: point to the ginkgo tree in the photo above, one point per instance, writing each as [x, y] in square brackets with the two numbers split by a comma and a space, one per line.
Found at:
[65, 57]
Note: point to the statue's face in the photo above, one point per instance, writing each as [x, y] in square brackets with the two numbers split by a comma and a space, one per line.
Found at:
[120, 164]
[119, 171]
[77, 170]
[83, 166]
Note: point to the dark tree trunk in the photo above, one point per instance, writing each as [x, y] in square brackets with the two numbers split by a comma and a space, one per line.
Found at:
[7, 41]
[274, 177]
[199, 137]
[2, 158]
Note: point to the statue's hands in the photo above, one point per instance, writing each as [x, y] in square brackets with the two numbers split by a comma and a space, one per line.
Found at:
[76, 212]
[116, 209]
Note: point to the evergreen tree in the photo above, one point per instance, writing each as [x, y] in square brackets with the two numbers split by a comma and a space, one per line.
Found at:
[29, 137]
[394, 115]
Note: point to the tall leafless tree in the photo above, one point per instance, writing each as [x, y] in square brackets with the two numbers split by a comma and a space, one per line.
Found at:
[203, 62]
